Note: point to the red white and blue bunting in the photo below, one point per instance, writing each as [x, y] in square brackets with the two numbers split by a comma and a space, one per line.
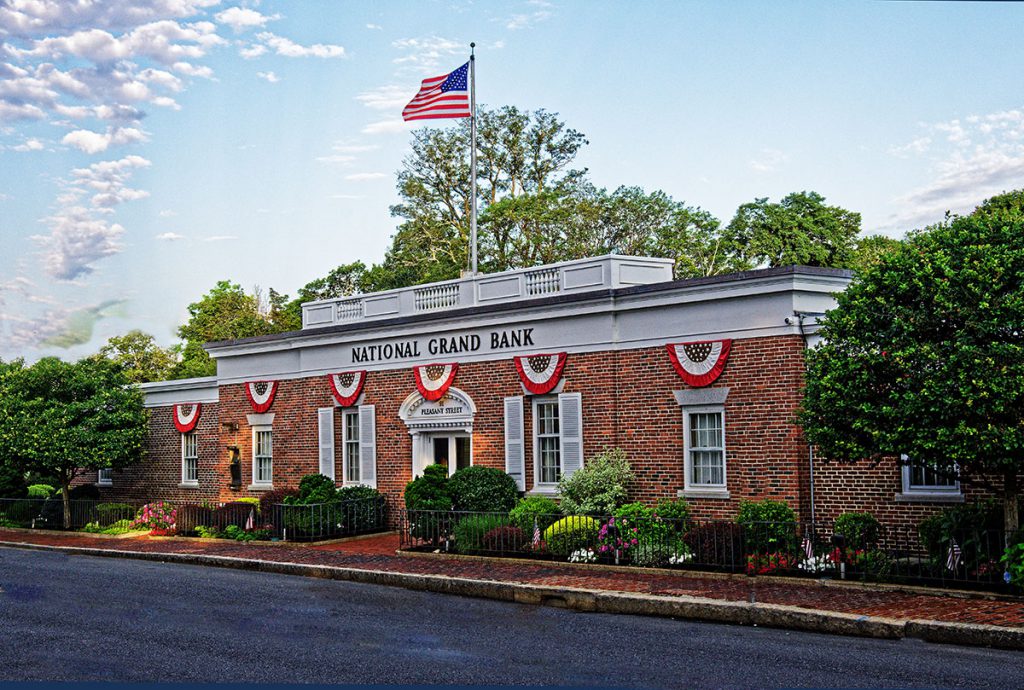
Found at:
[699, 362]
[186, 416]
[347, 386]
[540, 373]
[261, 394]
[433, 380]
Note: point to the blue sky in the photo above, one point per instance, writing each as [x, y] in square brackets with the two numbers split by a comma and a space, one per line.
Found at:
[150, 149]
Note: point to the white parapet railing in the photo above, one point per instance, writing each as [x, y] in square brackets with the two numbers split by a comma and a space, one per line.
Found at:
[537, 282]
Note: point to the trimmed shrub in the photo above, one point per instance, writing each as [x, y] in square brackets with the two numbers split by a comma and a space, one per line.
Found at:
[768, 526]
[716, 544]
[676, 511]
[597, 488]
[360, 509]
[862, 530]
[40, 491]
[316, 488]
[531, 509]
[571, 533]
[482, 489]
[429, 491]
[357, 493]
[109, 513]
[504, 538]
[469, 532]
[275, 497]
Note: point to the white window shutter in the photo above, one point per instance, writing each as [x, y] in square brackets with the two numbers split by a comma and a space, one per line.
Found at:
[368, 445]
[325, 422]
[570, 424]
[514, 460]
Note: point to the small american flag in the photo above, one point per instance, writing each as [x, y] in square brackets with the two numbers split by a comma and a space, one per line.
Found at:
[808, 548]
[444, 96]
[953, 557]
[536, 534]
[249, 522]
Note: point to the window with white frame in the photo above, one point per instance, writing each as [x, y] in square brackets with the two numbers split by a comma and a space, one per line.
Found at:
[262, 455]
[548, 440]
[105, 477]
[704, 447]
[190, 458]
[921, 478]
[350, 446]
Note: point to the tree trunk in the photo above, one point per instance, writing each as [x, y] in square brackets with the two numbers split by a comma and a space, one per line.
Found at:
[1011, 514]
[66, 494]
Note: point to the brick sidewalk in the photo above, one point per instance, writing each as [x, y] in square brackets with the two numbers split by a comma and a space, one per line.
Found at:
[378, 553]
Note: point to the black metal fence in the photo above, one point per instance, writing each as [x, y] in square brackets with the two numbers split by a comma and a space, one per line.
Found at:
[48, 513]
[962, 559]
[244, 521]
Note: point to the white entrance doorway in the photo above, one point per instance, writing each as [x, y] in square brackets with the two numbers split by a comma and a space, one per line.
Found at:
[442, 430]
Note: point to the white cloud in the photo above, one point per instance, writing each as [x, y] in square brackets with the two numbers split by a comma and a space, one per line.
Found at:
[339, 158]
[220, 238]
[426, 54]
[973, 159]
[363, 177]
[33, 17]
[268, 76]
[345, 147]
[288, 48]
[347, 196]
[242, 18]
[167, 213]
[30, 145]
[253, 51]
[390, 97]
[190, 70]
[768, 161]
[374, 27]
[915, 147]
[169, 236]
[524, 21]
[386, 127]
[94, 142]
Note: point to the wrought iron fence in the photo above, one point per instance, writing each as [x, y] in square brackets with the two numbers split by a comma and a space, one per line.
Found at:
[964, 558]
[38, 513]
[240, 520]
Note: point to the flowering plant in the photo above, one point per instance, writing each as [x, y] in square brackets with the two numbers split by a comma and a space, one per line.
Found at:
[617, 535]
[156, 516]
[582, 556]
[816, 564]
[765, 563]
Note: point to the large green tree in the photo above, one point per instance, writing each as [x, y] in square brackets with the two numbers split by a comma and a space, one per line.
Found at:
[801, 229]
[924, 354]
[224, 313]
[139, 357]
[63, 419]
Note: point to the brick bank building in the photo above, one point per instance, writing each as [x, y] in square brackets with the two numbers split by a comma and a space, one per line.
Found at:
[531, 371]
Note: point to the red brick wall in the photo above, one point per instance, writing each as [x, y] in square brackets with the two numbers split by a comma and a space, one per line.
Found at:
[627, 398]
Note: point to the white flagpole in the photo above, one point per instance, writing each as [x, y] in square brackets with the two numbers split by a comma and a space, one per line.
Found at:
[472, 151]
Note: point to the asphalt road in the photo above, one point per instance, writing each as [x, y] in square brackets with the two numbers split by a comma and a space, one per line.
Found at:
[86, 618]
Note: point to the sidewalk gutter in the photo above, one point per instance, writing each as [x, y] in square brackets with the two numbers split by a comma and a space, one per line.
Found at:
[602, 601]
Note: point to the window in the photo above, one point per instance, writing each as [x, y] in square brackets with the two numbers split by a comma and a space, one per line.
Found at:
[704, 448]
[557, 438]
[190, 459]
[921, 479]
[105, 477]
[262, 456]
[350, 436]
[549, 442]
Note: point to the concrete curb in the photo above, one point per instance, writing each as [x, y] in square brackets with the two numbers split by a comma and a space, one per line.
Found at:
[601, 601]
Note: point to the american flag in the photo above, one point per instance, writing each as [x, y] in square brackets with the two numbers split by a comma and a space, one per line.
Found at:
[808, 548]
[444, 96]
[953, 557]
[536, 534]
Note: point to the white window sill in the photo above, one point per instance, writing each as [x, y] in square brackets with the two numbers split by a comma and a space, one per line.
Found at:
[261, 487]
[104, 483]
[550, 490]
[929, 497]
[188, 485]
[703, 493]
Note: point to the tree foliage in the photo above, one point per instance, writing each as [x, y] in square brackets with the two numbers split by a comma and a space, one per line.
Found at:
[924, 354]
[801, 229]
[62, 419]
[224, 313]
[139, 357]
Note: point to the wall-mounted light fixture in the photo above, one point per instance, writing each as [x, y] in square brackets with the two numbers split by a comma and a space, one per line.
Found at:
[231, 427]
